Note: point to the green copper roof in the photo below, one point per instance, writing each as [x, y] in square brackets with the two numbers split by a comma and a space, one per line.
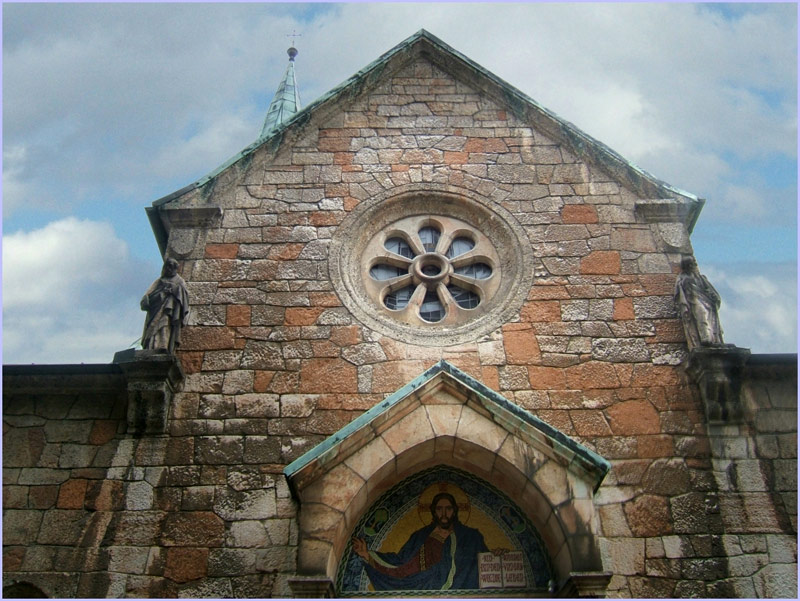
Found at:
[286, 101]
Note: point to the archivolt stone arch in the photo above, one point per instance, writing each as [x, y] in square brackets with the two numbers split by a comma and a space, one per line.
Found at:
[445, 417]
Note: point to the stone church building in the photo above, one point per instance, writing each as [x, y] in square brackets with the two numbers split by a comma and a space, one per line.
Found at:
[433, 348]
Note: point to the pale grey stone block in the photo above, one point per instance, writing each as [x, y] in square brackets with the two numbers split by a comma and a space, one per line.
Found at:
[575, 310]
[624, 350]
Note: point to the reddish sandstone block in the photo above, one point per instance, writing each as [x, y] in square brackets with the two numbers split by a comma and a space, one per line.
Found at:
[521, 346]
[350, 203]
[328, 375]
[343, 158]
[185, 564]
[558, 419]
[601, 262]
[324, 348]
[648, 515]
[579, 214]
[475, 145]
[103, 430]
[285, 252]
[330, 144]
[593, 374]
[206, 338]
[104, 495]
[221, 251]
[71, 494]
[325, 218]
[633, 417]
[238, 315]
[455, 158]
[590, 422]
[324, 299]
[12, 558]
[494, 145]
[42, 497]
[191, 361]
[400, 167]
[345, 335]
[193, 528]
[302, 316]
[541, 311]
[285, 382]
[262, 379]
[667, 330]
[623, 309]
[490, 376]
[646, 375]
[392, 375]
[658, 284]
[546, 378]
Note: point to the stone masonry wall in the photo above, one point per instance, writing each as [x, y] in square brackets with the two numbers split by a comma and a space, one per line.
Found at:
[755, 466]
[274, 363]
[64, 475]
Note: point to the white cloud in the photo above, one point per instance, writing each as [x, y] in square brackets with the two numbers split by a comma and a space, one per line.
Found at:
[759, 305]
[124, 103]
[70, 293]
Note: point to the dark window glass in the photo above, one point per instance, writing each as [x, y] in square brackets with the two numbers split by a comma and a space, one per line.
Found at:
[459, 247]
[479, 271]
[386, 272]
[399, 247]
[432, 308]
[399, 298]
[431, 270]
[429, 236]
[465, 298]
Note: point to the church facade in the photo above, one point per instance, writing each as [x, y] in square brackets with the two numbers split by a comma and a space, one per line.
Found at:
[433, 348]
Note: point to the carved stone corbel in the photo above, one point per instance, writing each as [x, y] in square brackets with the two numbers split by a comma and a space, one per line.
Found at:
[717, 371]
[151, 377]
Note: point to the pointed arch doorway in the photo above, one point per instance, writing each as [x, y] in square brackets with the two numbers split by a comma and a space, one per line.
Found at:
[444, 419]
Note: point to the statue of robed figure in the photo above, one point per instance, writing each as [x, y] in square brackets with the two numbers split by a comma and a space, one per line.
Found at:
[698, 304]
[167, 306]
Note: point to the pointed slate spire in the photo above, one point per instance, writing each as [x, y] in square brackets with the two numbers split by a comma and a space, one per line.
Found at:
[286, 101]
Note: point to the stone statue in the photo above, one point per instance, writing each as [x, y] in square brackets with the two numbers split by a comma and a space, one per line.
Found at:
[698, 303]
[167, 306]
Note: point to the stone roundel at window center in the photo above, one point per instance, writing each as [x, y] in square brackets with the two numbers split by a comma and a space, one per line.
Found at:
[430, 269]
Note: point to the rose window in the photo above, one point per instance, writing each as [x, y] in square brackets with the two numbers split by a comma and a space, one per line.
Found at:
[430, 270]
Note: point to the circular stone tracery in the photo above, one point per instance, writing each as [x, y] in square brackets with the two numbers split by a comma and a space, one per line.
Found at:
[429, 266]
[431, 269]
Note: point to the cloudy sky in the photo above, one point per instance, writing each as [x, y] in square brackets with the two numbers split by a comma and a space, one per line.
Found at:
[108, 107]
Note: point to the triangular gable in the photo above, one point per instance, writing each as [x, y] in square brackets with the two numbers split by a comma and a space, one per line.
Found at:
[337, 448]
[525, 108]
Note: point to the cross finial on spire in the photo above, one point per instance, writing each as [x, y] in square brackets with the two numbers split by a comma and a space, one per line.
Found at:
[294, 35]
[286, 101]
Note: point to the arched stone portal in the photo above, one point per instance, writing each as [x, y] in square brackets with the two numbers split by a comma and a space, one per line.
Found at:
[445, 417]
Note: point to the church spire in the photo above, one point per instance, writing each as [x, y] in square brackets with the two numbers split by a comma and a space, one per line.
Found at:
[286, 101]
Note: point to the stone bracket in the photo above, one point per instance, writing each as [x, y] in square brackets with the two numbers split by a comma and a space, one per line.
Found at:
[717, 371]
[585, 584]
[151, 379]
[311, 587]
